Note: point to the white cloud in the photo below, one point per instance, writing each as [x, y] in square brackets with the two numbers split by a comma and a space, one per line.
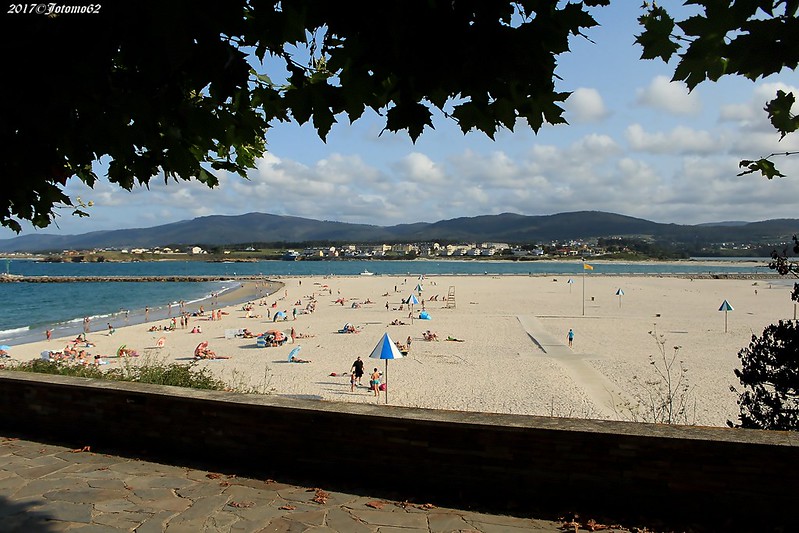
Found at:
[680, 140]
[585, 105]
[670, 96]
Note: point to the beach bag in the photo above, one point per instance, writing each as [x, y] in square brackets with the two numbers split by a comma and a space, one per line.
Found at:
[382, 386]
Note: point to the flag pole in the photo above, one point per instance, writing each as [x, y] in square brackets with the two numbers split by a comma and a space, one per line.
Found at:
[583, 287]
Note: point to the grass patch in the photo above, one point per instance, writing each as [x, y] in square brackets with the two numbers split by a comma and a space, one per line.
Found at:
[146, 371]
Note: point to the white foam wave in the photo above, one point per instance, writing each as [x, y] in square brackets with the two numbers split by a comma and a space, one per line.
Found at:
[15, 331]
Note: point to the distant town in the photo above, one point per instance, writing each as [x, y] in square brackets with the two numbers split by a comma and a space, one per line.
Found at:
[606, 248]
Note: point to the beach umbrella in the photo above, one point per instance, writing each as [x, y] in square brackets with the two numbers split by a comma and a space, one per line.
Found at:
[386, 349]
[411, 302]
[619, 293]
[725, 306]
[570, 282]
[294, 352]
[419, 288]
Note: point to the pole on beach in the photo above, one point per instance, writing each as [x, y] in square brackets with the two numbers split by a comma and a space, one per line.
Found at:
[583, 290]
[386, 381]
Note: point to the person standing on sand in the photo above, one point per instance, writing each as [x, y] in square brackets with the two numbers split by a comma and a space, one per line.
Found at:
[146, 314]
[357, 370]
[570, 336]
[48, 334]
[375, 382]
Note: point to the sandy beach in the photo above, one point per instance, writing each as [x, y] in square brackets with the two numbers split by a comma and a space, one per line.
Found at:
[513, 357]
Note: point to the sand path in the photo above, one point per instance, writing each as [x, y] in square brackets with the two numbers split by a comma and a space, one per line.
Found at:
[603, 393]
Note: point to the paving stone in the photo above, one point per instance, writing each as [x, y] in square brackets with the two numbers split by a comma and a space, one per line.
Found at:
[381, 518]
[221, 521]
[41, 471]
[393, 529]
[33, 451]
[320, 529]
[243, 493]
[122, 520]
[94, 528]
[198, 512]
[156, 523]
[31, 522]
[341, 520]
[115, 506]
[137, 468]
[310, 518]
[98, 470]
[169, 503]
[158, 482]
[258, 484]
[82, 457]
[512, 527]
[143, 495]
[284, 525]
[260, 513]
[11, 484]
[85, 495]
[196, 489]
[116, 484]
[37, 487]
[67, 511]
[443, 522]
[10, 508]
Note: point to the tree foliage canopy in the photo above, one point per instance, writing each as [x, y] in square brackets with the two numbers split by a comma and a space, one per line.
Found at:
[174, 88]
[170, 87]
[749, 38]
[769, 376]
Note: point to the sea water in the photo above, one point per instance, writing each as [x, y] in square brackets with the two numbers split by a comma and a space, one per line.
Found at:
[28, 309]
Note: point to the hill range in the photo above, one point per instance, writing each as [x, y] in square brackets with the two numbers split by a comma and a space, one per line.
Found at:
[512, 228]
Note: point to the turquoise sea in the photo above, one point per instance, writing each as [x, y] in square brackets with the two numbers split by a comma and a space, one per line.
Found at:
[28, 309]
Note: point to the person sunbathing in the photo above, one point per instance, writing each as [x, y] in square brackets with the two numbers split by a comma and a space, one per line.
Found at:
[247, 334]
[429, 336]
[453, 339]
[296, 359]
[304, 336]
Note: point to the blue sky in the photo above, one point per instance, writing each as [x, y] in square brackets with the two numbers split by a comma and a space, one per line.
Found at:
[636, 145]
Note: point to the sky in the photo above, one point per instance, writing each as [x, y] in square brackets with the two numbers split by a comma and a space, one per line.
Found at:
[636, 144]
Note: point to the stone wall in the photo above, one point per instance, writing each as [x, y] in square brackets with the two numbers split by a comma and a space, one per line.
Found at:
[500, 463]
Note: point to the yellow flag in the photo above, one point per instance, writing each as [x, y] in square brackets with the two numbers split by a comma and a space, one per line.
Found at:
[586, 266]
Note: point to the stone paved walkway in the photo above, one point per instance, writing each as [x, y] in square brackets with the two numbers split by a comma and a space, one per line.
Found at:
[46, 488]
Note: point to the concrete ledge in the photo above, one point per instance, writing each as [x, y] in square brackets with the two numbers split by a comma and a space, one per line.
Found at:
[499, 463]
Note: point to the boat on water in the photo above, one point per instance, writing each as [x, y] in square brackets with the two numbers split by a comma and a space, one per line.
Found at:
[367, 273]
[291, 255]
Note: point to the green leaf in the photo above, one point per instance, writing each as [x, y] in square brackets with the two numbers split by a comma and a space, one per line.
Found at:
[656, 38]
[764, 166]
[206, 177]
[779, 112]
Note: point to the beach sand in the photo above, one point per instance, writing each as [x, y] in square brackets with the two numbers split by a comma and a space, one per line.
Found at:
[514, 356]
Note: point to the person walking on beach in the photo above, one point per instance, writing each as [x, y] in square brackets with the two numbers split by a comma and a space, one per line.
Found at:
[570, 335]
[48, 334]
[357, 370]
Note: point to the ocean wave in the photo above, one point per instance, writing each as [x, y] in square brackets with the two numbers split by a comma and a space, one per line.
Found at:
[15, 331]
